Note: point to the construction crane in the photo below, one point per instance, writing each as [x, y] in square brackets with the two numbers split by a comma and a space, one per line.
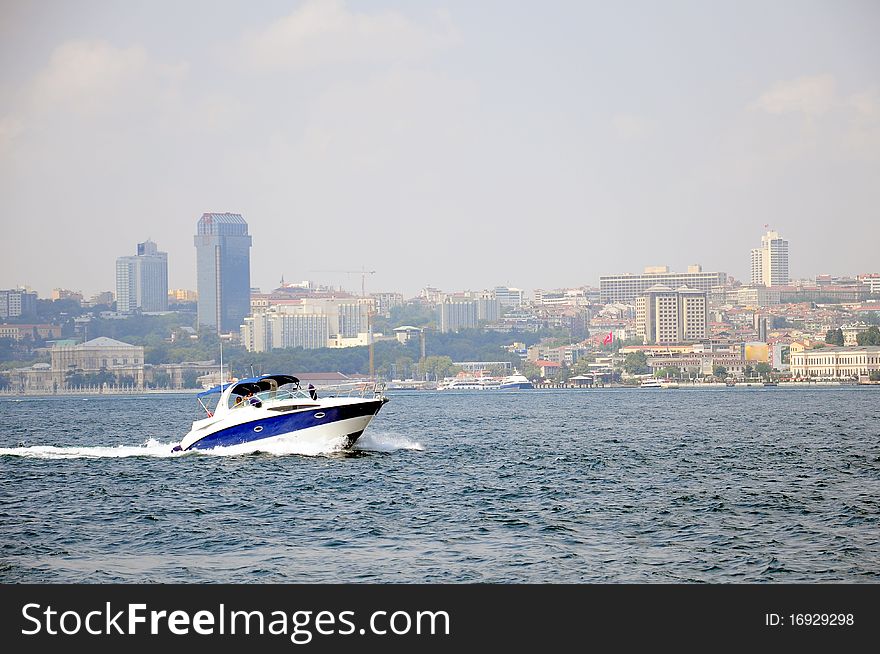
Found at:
[363, 273]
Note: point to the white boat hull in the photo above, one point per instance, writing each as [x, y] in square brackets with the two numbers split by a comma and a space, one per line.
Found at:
[333, 423]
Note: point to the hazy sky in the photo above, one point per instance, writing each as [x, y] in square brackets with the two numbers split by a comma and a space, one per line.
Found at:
[452, 144]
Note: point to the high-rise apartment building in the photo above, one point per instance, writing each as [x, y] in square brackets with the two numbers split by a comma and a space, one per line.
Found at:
[458, 314]
[627, 287]
[770, 261]
[142, 280]
[509, 298]
[666, 316]
[223, 270]
[17, 302]
[262, 332]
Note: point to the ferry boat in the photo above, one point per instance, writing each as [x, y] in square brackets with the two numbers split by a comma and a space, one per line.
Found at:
[469, 384]
[275, 409]
[516, 381]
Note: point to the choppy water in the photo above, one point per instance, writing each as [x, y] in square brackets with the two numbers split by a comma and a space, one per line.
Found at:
[613, 485]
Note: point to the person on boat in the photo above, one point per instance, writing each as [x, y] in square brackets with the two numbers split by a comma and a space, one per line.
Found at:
[238, 401]
[254, 401]
[313, 392]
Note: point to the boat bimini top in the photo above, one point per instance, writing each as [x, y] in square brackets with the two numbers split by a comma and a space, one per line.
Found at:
[245, 387]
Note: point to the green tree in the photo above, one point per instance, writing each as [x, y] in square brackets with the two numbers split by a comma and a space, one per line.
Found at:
[748, 369]
[403, 367]
[161, 380]
[530, 370]
[870, 337]
[874, 376]
[636, 363]
[719, 371]
[668, 372]
[834, 337]
[763, 369]
[582, 365]
[190, 379]
[438, 367]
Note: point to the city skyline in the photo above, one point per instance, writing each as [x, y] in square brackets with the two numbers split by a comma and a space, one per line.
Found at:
[355, 286]
[448, 145]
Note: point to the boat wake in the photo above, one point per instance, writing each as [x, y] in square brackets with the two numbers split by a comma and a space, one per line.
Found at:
[377, 442]
[151, 448]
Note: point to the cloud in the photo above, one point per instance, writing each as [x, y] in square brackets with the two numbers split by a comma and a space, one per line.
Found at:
[811, 96]
[827, 123]
[323, 32]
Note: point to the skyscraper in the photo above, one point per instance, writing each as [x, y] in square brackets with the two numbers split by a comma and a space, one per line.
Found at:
[770, 261]
[223, 270]
[142, 280]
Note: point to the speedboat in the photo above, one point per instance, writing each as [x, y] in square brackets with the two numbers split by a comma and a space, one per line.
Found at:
[651, 383]
[274, 409]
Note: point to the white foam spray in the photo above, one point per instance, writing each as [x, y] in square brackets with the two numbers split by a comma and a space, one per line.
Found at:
[380, 441]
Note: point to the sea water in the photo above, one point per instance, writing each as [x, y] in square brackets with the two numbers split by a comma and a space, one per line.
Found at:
[721, 485]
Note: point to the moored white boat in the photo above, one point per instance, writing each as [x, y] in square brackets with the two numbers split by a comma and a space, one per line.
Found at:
[515, 381]
[274, 409]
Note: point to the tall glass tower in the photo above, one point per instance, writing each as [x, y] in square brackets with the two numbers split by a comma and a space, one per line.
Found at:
[223, 271]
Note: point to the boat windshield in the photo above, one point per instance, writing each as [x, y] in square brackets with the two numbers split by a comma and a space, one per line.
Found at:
[250, 398]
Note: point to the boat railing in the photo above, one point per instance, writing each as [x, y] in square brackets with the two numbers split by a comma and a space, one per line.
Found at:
[359, 389]
[353, 389]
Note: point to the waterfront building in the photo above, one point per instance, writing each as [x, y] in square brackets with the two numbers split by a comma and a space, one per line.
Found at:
[180, 375]
[835, 362]
[664, 315]
[142, 280]
[223, 270]
[770, 261]
[627, 287]
[70, 361]
[16, 302]
[699, 362]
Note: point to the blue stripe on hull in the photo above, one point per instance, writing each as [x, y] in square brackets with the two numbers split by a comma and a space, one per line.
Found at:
[285, 423]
